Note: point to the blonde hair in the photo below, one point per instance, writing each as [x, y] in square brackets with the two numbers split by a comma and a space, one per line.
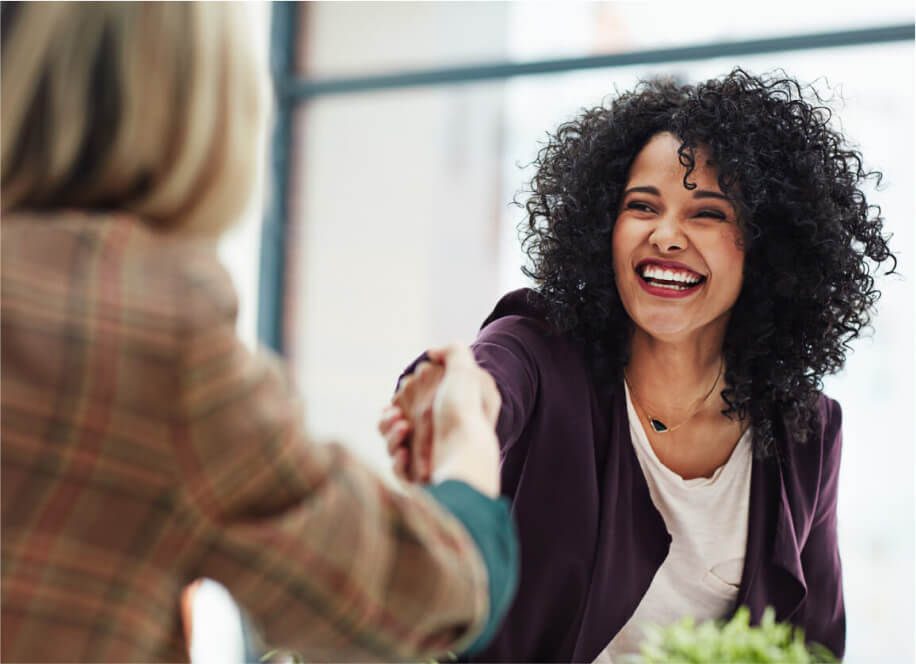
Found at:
[157, 109]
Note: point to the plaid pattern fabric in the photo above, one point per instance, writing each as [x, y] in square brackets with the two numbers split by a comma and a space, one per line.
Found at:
[144, 447]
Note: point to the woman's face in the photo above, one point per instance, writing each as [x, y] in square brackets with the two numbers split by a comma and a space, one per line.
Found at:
[678, 259]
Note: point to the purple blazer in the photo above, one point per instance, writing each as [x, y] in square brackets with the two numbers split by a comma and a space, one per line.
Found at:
[591, 538]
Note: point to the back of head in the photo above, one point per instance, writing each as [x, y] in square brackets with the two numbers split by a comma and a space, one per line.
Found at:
[155, 109]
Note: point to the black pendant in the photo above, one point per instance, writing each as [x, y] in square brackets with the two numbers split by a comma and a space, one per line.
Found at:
[658, 425]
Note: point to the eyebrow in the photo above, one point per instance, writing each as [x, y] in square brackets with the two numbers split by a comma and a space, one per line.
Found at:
[705, 193]
[698, 193]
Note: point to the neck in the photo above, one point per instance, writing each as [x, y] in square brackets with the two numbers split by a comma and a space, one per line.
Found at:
[668, 376]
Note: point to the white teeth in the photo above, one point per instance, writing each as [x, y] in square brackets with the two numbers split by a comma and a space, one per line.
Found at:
[658, 273]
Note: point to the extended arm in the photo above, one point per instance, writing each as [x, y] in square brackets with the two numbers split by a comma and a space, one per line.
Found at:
[327, 560]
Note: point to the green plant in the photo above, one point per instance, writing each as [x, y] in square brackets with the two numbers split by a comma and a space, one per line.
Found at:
[686, 642]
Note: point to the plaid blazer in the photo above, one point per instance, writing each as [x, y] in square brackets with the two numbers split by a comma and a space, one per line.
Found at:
[144, 447]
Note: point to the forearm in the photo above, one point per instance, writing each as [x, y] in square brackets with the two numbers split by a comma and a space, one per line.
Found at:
[354, 571]
[490, 524]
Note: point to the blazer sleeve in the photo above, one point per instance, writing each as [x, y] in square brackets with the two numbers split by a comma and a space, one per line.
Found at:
[505, 350]
[324, 557]
[824, 612]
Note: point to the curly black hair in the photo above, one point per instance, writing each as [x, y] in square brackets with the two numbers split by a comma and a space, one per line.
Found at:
[812, 241]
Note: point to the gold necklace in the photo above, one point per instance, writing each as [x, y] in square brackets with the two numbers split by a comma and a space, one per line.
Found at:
[657, 425]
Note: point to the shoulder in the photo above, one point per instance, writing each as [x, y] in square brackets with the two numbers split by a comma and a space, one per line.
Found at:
[831, 418]
[820, 454]
[519, 321]
[831, 437]
[812, 468]
[827, 436]
[91, 266]
[517, 335]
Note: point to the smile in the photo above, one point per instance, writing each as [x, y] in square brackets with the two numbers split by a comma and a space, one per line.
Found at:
[668, 280]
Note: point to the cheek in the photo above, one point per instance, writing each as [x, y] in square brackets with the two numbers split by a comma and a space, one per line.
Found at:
[617, 254]
[730, 261]
[732, 239]
[622, 244]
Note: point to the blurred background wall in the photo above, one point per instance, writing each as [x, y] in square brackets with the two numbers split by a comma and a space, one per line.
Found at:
[401, 234]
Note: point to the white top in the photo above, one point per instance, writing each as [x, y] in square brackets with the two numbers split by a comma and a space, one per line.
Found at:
[707, 519]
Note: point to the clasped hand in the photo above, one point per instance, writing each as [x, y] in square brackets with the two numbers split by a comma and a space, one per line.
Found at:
[441, 422]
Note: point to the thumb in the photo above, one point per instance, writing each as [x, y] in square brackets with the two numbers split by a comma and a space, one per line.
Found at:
[454, 354]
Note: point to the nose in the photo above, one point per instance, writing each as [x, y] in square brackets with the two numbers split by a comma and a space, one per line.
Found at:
[668, 236]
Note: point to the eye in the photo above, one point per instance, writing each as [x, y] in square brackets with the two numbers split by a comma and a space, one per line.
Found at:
[639, 206]
[712, 214]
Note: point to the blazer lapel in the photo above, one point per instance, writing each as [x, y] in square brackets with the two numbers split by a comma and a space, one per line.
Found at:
[632, 542]
[773, 573]
[792, 590]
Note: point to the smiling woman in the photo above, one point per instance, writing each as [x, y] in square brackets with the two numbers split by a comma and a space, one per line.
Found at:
[703, 254]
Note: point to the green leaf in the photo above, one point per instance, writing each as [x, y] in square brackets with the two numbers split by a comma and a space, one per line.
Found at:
[732, 642]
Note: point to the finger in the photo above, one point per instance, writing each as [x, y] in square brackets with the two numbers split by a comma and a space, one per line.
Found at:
[419, 466]
[427, 463]
[385, 426]
[399, 465]
[436, 372]
[418, 395]
[390, 414]
[408, 384]
[397, 435]
[453, 354]
[423, 443]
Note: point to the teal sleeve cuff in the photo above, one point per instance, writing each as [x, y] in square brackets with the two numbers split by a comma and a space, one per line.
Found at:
[490, 524]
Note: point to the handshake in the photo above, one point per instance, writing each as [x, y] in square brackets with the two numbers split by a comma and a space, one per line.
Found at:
[441, 423]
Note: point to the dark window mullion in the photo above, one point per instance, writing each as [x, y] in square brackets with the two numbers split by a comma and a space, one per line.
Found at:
[284, 23]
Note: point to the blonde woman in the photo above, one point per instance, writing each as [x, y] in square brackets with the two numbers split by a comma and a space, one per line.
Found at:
[143, 446]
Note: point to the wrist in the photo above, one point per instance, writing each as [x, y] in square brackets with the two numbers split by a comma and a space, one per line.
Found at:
[469, 454]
